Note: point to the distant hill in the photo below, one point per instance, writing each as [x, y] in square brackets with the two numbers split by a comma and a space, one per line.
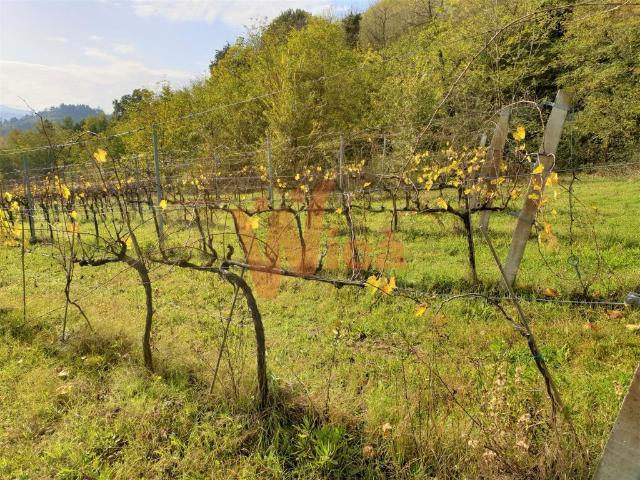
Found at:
[27, 121]
[7, 113]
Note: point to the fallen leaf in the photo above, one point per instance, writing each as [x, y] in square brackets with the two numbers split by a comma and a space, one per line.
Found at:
[368, 451]
[590, 326]
[420, 309]
[64, 390]
[550, 292]
[390, 286]
[615, 314]
[632, 327]
[440, 320]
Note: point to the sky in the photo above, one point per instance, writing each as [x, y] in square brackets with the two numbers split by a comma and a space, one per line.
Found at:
[92, 51]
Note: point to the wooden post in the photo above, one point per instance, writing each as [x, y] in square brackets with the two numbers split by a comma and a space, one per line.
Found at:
[546, 158]
[621, 457]
[27, 193]
[491, 168]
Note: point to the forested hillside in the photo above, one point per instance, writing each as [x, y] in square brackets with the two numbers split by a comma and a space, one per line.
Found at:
[422, 71]
[69, 116]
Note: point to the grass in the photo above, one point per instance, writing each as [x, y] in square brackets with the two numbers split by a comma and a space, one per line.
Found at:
[360, 387]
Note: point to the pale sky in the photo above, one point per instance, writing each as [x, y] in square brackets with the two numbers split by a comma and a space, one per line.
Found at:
[92, 51]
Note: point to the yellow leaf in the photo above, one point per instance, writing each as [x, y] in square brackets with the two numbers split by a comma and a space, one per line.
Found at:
[550, 292]
[297, 177]
[420, 309]
[390, 286]
[366, 184]
[100, 155]
[163, 204]
[254, 223]
[8, 197]
[442, 203]
[65, 192]
[373, 284]
[547, 238]
[519, 134]
[339, 211]
[533, 196]
[539, 169]
[73, 214]
[552, 179]
[632, 327]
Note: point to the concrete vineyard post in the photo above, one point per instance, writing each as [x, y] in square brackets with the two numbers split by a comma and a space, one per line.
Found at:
[547, 159]
[491, 168]
[621, 458]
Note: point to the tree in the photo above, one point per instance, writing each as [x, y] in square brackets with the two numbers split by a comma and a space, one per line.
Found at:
[96, 123]
[287, 21]
[219, 55]
[600, 61]
[351, 25]
[386, 20]
[129, 101]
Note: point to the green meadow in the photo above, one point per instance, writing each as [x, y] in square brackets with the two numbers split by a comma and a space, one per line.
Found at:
[360, 387]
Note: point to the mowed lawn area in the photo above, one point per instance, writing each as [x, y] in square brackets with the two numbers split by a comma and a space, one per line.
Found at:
[361, 387]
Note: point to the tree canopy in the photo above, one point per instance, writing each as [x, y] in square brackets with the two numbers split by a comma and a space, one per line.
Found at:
[426, 71]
